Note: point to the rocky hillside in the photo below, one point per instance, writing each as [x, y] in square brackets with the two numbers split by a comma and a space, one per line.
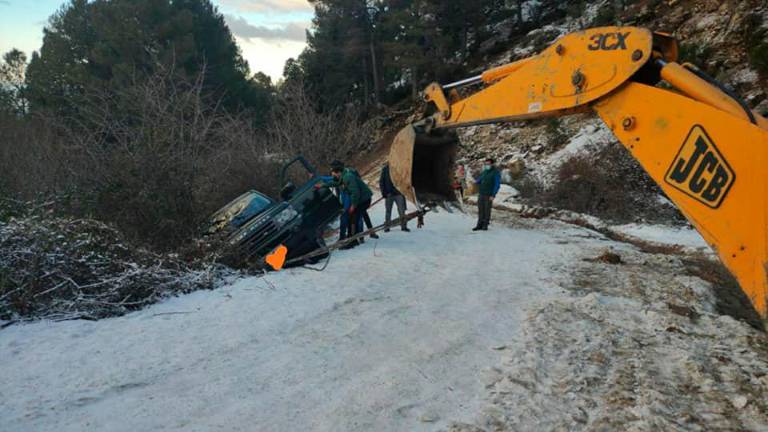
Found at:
[727, 39]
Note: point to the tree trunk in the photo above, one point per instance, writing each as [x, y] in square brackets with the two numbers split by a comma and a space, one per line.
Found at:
[375, 72]
[366, 98]
[465, 42]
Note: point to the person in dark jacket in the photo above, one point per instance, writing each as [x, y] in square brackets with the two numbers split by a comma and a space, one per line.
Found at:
[344, 225]
[489, 183]
[392, 196]
[349, 181]
[366, 217]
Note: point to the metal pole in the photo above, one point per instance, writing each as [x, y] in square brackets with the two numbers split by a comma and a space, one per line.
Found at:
[468, 81]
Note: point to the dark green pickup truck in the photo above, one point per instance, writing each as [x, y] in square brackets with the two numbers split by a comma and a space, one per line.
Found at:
[254, 224]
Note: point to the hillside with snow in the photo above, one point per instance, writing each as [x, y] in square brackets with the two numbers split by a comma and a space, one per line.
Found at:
[523, 327]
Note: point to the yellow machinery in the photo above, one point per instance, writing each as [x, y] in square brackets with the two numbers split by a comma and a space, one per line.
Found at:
[698, 141]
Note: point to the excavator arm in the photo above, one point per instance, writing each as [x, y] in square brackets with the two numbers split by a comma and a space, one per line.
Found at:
[700, 143]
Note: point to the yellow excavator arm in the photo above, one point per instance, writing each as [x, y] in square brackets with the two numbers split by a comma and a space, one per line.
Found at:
[700, 143]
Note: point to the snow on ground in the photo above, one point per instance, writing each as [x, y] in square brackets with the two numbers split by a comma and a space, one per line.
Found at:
[391, 336]
[638, 347]
[438, 329]
[664, 234]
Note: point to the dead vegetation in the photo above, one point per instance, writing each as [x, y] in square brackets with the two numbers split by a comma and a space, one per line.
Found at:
[67, 268]
[158, 157]
[133, 175]
[731, 300]
[607, 257]
[610, 185]
[297, 127]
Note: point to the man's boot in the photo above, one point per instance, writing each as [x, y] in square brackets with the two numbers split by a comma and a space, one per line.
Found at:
[374, 236]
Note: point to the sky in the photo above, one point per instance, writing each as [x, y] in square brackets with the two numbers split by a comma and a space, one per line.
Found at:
[268, 32]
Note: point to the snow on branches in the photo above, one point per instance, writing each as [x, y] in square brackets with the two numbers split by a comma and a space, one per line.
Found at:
[63, 268]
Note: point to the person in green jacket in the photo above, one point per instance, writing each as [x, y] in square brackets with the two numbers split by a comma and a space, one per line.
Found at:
[489, 183]
[349, 181]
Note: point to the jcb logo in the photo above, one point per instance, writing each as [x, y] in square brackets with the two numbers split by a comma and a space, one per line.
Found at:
[700, 171]
[608, 41]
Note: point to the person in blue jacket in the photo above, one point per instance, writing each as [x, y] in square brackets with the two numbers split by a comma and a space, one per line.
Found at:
[345, 201]
[347, 180]
[344, 226]
[489, 183]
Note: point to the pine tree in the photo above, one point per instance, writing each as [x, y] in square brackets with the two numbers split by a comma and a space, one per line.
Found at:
[419, 48]
[12, 89]
[103, 44]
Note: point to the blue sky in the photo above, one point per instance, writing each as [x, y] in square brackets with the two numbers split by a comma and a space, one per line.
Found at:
[268, 31]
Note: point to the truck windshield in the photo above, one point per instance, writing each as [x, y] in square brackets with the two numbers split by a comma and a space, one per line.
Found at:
[258, 203]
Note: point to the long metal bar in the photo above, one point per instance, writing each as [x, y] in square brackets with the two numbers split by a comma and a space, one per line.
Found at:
[348, 240]
[467, 81]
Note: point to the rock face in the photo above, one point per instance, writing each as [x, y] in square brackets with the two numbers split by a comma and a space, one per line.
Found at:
[516, 168]
[717, 36]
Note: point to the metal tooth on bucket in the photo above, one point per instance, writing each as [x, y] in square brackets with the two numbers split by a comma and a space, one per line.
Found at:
[422, 165]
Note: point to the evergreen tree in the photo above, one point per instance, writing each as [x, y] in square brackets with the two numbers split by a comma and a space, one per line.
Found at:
[413, 42]
[110, 44]
[336, 65]
[382, 50]
[12, 89]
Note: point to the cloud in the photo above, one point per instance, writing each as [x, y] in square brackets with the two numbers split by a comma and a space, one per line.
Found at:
[294, 31]
[269, 56]
[266, 6]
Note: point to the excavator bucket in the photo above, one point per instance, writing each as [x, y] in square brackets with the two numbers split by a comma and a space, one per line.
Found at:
[422, 165]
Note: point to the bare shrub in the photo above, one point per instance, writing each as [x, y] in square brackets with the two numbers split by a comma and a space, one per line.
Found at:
[31, 161]
[558, 138]
[610, 184]
[297, 127]
[529, 187]
[157, 158]
[730, 299]
[64, 268]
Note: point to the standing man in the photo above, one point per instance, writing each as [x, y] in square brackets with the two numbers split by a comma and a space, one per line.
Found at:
[392, 195]
[489, 183]
[460, 180]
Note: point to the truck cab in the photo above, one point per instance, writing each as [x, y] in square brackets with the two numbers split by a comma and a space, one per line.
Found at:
[255, 224]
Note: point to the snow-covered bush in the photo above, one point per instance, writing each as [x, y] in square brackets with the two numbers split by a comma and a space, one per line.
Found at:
[62, 268]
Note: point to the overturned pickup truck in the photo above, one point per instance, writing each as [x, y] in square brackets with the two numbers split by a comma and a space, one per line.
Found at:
[253, 224]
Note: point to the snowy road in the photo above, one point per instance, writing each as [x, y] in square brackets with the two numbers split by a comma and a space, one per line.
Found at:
[394, 335]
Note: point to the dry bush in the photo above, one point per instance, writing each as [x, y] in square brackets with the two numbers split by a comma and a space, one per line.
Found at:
[31, 160]
[730, 299]
[64, 268]
[610, 184]
[297, 127]
[157, 158]
[529, 187]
